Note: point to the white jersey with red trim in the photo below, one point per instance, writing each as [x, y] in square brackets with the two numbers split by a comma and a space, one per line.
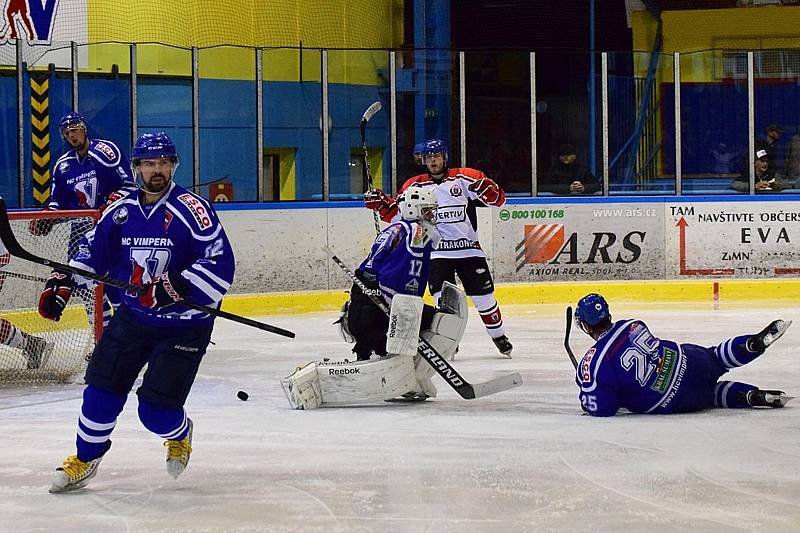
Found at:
[456, 218]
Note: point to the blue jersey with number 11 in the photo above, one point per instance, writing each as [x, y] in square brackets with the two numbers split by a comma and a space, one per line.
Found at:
[629, 367]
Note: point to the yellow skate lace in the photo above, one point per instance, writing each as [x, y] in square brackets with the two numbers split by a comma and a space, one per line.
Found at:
[74, 467]
[178, 450]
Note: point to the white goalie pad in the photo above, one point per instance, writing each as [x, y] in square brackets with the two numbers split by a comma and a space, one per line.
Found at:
[449, 321]
[340, 383]
[404, 322]
[302, 387]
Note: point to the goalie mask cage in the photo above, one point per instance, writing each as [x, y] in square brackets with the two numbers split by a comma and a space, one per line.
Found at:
[53, 235]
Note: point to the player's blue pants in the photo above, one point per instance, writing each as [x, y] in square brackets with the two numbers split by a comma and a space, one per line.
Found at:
[172, 356]
[701, 387]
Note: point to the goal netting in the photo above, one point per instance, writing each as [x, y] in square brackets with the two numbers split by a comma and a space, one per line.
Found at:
[68, 342]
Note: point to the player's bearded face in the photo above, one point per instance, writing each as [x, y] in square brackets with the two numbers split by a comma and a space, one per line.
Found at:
[76, 137]
[156, 174]
[435, 163]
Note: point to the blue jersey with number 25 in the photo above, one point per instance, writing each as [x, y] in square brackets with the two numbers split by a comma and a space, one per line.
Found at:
[629, 367]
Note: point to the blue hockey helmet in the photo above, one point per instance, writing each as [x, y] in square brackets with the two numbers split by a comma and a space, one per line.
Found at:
[591, 310]
[70, 121]
[153, 146]
[419, 148]
[434, 147]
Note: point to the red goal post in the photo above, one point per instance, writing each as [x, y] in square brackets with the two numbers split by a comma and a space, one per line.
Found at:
[70, 341]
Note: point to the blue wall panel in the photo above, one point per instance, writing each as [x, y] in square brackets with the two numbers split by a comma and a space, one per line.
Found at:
[8, 148]
[227, 127]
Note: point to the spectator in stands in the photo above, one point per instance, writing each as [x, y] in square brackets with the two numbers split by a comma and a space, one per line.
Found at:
[569, 177]
[766, 182]
[725, 160]
[771, 143]
[792, 167]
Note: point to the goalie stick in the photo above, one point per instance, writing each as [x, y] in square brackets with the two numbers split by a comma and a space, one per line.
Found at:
[368, 114]
[566, 338]
[14, 248]
[465, 389]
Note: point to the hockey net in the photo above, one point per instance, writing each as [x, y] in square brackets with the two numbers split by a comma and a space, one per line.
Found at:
[53, 235]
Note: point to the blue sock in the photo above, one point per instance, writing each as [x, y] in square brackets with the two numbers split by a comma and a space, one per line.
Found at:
[732, 394]
[99, 413]
[167, 422]
[733, 354]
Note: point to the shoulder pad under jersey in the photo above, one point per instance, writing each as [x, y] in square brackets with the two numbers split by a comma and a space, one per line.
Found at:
[195, 212]
[105, 151]
[466, 172]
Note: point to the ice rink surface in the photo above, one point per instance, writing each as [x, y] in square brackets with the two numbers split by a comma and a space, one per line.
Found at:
[521, 460]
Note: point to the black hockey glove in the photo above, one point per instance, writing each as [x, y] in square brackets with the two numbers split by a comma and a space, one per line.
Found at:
[166, 290]
[56, 294]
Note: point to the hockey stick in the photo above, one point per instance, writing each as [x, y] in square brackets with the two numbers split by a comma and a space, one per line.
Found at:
[15, 249]
[368, 114]
[226, 176]
[566, 338]
[465, 389]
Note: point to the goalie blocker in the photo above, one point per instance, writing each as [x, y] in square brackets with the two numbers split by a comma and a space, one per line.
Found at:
[401, 373]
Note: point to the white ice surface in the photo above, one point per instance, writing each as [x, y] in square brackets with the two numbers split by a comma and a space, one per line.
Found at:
[522, 460]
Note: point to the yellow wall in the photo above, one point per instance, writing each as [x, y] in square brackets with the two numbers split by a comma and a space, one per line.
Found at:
[352, 24]
[697, 33]
[705, 29]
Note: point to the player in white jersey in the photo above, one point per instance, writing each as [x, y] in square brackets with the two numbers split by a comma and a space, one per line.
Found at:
[459, 191]
[35, 349]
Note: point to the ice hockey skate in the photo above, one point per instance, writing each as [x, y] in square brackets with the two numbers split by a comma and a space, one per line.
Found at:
[767, 398]
[504, 345]
[762, 340]
[37, 351]
[178, 453]
[75, 474]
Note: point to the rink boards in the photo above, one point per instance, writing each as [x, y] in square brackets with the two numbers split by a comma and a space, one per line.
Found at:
[540, 250]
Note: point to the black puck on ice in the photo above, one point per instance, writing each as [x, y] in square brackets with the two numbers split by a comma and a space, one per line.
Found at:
[242, 395]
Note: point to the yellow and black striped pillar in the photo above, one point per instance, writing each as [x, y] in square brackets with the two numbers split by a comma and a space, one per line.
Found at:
[40, 136]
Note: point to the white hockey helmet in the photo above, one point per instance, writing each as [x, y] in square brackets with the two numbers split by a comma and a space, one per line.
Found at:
[417, 203]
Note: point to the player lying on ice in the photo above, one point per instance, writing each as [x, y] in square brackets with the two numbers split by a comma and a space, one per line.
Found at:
[396, 270]
[630, 368]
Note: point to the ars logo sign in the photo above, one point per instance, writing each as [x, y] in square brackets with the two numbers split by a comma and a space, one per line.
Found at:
[31, 20]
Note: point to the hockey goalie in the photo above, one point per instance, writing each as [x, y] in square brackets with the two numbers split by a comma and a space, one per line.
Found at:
[400, 374]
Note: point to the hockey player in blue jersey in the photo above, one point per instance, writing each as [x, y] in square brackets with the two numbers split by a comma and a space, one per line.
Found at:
[630, 368]
[399, 262]
[90, 175]
[171, 243]
[85, 176]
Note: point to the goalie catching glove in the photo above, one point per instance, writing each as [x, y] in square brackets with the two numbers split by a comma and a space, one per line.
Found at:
[56, 294]
[168, 289]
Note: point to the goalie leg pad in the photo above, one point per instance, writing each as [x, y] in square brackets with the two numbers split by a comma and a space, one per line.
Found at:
[404, 323]
[449, 322]
[340, 383]
[302, 387]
